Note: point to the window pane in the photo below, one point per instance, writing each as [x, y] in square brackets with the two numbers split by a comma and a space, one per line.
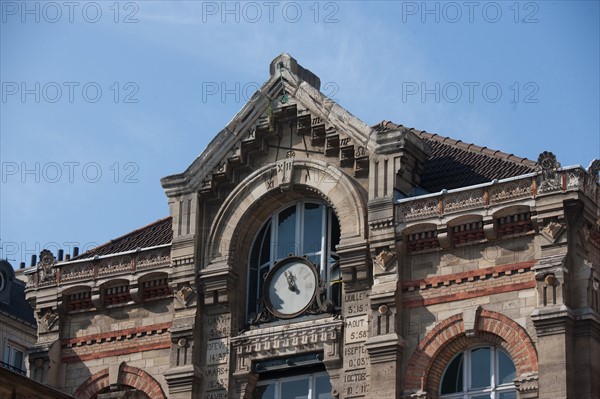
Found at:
[506, 369]
[264, 392]
[508, 395]
[296, 389]
[18, 363]
[486, 396]
[335, 232]
[286, 234]
[265, 251]
[322, 388]
[313, 228]
[480, 368]
[452, 381]
[336, 286]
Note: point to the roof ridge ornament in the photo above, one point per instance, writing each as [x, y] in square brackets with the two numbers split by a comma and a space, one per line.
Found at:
[548, 165]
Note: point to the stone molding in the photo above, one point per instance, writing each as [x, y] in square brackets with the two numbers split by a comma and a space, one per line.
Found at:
[93, 270]
[497, 193]
[335, 187]
[273, 341]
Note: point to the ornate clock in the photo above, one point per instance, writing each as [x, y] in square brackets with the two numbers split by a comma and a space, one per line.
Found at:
[290, 287]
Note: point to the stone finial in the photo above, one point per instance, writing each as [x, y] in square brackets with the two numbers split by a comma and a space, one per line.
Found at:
[286, 61]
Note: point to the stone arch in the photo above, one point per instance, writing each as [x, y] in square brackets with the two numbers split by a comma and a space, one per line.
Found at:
[457, 333]
[94, 384]
[283, 180]
[140, 380]
[132, 377]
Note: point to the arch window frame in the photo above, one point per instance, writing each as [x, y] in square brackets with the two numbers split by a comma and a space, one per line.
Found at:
[495, 389]
[324, 257]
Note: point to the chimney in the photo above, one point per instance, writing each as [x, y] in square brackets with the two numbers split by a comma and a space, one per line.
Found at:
[60, 255]
[68, 257]
[33, 260]
[75, 251]
[22, 265]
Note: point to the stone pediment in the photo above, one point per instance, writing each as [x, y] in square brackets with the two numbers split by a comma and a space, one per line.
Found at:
[286, 118]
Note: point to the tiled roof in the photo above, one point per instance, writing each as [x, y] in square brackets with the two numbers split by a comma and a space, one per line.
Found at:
[454, 164]
[154, 234]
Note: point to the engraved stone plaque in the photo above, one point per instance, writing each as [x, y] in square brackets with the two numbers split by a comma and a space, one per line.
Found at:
[218, 325]
[217, 351]
[355, 356]
[356, 329]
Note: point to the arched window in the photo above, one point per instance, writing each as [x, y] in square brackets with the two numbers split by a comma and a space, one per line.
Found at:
[484, 372]
[306, 228]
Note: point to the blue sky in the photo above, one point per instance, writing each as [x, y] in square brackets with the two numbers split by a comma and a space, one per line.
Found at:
[102, 99]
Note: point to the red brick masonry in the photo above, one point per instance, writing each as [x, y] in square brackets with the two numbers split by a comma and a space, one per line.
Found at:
[466, 285]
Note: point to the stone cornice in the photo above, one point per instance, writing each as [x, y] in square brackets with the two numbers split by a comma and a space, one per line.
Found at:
[308, 335]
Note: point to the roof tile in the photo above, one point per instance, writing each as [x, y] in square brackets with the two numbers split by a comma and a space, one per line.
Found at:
[455, 164]
[154, 234]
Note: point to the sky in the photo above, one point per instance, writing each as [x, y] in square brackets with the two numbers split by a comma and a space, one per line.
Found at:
[101, 99]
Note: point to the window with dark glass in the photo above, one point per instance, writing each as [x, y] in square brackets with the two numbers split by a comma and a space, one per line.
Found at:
[479, 373]
[308, 229]
[14, 358]
[311, 386]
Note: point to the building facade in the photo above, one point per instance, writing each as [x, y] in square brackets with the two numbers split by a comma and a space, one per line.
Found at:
[310, 255]
[17, 324]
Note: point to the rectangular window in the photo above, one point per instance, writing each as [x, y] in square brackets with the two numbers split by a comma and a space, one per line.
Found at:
[14, 359]
[311, 386]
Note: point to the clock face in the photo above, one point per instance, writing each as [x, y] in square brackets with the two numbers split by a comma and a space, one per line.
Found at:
[291, 286]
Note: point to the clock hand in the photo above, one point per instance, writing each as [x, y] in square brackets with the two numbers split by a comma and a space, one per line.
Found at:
[291, 280]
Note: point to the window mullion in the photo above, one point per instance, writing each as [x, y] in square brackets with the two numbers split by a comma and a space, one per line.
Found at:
[274, 240]
[324, 263]
[466, 371]
[299, 229]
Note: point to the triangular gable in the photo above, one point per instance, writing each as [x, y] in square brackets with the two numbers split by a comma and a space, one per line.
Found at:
[322, 126]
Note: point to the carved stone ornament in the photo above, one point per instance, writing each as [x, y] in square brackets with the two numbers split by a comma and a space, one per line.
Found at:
[383, 260]
[552, 230]
[48, 319]
[46, 265]
[593, 169]
[548, 164]
[184, 294]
